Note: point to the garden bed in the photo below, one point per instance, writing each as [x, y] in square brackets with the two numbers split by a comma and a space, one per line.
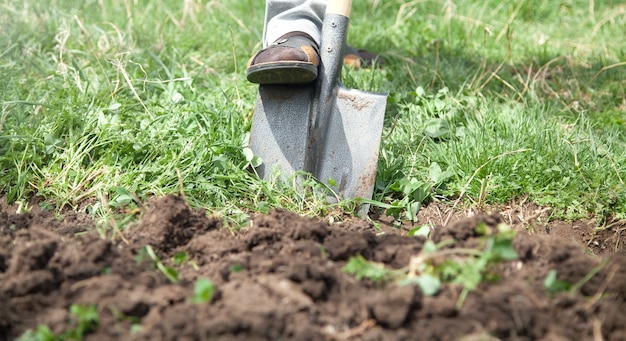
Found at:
[285, 278]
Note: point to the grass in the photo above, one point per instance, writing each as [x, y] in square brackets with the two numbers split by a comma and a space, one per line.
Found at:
[107, 103]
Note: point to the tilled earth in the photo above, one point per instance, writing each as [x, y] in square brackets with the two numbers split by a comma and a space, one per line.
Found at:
[282, 279]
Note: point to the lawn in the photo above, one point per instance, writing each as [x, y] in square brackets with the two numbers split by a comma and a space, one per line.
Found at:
[108, 101]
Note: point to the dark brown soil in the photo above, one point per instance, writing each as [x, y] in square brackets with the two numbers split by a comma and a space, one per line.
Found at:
[282, 279]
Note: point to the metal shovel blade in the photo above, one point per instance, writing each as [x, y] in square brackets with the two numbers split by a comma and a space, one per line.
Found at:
[279, 128]
[350, 156]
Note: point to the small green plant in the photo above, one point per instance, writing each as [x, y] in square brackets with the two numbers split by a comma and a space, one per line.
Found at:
[203, 291]
[376, 272]
[413, 193]
[554, 285]
[465, 267]
[428, 283]
[42, 333]
[84, 319]
[22, 207]
[362, 268]
[135, 328]
[422, 230]
[235, 268]
[180, 257]
[470, 267]
[168, 271]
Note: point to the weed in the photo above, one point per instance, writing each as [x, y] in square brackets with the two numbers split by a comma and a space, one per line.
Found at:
[84, 319]
[471, 267]
[168, 271]
[135, 328]
[422, 230]
[180, 257]
[361, 268]
[203, 291]
[553, 285]
[467, 268]
[235, 268]
[42, 333]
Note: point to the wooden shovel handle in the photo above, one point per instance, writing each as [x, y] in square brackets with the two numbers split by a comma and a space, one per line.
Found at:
[341, 7]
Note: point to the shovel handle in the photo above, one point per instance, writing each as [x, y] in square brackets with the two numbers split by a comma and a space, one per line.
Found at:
[341, 7]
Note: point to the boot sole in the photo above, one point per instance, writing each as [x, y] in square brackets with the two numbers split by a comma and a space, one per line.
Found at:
[282, 73]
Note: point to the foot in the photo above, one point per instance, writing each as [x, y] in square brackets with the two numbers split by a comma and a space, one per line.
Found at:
[291, 59]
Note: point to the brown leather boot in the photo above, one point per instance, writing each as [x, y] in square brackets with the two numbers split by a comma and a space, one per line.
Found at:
[291, 59]
[294, 59]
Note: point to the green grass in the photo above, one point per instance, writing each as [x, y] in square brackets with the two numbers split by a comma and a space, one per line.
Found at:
[105, 101]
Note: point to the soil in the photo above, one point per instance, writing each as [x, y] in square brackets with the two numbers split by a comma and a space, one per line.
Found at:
[282, 279]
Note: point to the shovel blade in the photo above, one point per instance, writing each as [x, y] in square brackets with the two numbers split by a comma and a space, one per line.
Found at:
[280, 135]
[279, 128]
[352, 144]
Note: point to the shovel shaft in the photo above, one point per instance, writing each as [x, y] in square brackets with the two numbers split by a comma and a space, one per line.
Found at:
[341, 7]
[334, 33]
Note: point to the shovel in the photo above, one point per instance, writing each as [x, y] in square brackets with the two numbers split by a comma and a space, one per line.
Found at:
[322, 128]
